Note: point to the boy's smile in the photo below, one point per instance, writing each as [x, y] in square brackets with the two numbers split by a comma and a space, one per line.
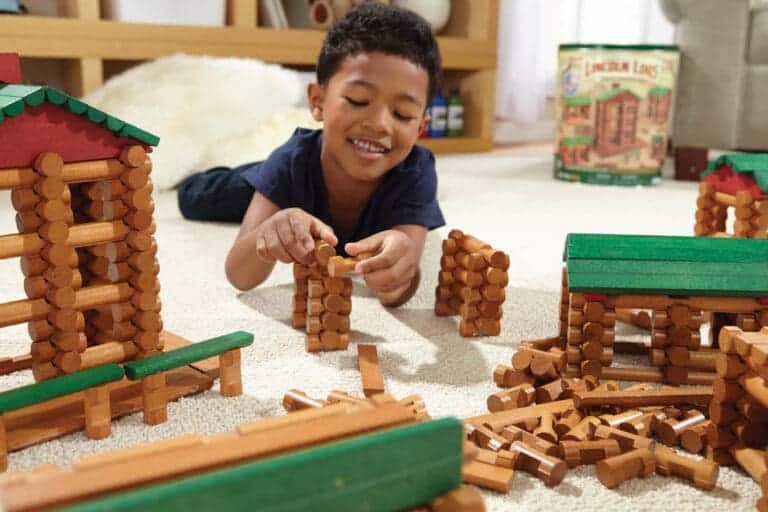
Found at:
[372, 110]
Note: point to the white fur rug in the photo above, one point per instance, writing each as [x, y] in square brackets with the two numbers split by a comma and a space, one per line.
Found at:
[207, 111]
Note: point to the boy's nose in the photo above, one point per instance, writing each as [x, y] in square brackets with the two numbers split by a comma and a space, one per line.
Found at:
[377, 121]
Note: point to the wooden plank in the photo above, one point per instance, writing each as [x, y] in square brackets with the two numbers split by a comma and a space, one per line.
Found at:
[393, 470]
[665, 248]
[669, 278]
[31, 36]
[59, 488]
[32, 394]
[370, 371]
[694, 395]
[140, 368]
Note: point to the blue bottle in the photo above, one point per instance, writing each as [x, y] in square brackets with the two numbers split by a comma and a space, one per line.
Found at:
[438, 113]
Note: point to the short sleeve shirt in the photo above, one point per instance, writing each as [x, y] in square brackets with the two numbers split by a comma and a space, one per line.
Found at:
[292, 177]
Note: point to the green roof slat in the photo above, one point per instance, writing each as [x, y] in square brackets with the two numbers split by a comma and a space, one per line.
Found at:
[649, 284]
[665, 248]
[578, 101]
[395, 469]
[55, 96]
[95, 115]
[59, 386]
[131, 131]
[33, 95]
[671, 270]
[140, 368]
[2, 117]
[114, 124]
[659, 91]
[11, 105]
[36, 98]
[76, 106]
[576, 141]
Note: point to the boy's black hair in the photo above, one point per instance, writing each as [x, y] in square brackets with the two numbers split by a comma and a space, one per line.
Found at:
[375, 27]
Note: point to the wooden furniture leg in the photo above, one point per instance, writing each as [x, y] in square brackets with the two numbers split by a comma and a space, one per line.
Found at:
[689, 162]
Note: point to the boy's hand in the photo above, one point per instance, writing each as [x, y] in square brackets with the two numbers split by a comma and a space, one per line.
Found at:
[289, 235]
[391, 272]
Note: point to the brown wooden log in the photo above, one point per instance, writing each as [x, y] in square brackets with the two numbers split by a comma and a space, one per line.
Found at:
[618, 469]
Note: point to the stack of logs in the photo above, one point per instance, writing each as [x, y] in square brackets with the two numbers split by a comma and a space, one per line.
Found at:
[751, 216]
[471, 283]
[322, 300]
[65, 215]
[591, 321]
[591, 422]
[739, 407]
[675, 330]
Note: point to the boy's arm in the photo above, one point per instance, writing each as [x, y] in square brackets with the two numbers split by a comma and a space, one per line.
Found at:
[243, 268]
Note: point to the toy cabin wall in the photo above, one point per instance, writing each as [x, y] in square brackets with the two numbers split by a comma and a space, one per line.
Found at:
[88, 257]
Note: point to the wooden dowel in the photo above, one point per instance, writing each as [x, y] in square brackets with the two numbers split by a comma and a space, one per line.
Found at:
[694, 396]
[499, 420]
[112, 352]
[93, 233]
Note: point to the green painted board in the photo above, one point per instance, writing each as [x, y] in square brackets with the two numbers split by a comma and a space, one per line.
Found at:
[11, 105]
[59, 386]
[395, 469]
[668, 265]
[140, 368]
[648, 284]
[665, 248]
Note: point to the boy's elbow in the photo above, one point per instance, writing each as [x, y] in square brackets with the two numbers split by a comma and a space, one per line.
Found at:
[237, 279]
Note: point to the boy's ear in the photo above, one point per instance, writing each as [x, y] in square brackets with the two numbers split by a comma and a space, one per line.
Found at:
[424, 122]
[315, 96]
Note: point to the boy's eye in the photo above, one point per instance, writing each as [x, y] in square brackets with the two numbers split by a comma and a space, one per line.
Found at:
[355, 103]
[403, 117]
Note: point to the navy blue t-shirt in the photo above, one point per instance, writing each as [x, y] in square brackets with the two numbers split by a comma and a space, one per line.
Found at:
[292, 177]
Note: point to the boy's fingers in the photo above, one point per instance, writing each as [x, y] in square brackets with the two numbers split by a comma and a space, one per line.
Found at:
[381, 261]
[319, 229]
[304, 244]
[261, 250]
[275, 247]
[370, 244]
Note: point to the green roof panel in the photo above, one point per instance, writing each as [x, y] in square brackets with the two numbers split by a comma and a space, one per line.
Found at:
[578, 101]
[15, 97]
[668, 265]
[755, 163]
[11, 105]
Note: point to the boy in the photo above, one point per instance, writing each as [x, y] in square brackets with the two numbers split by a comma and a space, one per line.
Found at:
[359, 178]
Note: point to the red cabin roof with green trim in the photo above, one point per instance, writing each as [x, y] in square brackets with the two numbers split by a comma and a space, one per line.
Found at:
[35, 119]
[736, 172]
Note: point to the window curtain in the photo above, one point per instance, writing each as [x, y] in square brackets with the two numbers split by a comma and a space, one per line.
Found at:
[530, 31]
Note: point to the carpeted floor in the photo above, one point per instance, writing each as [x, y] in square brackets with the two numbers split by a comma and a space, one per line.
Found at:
[508, 200]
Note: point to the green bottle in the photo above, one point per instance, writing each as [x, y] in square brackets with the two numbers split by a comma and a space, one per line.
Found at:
[455, 114]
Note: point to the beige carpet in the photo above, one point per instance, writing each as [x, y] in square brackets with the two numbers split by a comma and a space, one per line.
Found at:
[508, 200]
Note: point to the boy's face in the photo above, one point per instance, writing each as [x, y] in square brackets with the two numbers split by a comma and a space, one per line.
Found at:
[372, 109]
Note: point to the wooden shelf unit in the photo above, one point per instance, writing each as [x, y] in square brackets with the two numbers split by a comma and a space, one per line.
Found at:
[85, 40]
